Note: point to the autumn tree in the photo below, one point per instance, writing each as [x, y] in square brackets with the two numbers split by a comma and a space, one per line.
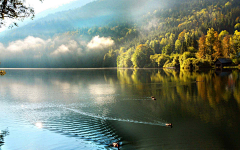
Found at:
[236, 42]
[210, 39]
[226, 46]
[222, 34]
[202, 47]
[217, 47]
[181, 35]
[141, 57]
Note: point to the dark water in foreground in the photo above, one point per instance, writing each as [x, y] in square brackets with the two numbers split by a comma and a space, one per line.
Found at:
[91, 108]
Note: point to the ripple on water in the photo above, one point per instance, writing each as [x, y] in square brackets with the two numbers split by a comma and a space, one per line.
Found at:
[84, 127]
[73, 122]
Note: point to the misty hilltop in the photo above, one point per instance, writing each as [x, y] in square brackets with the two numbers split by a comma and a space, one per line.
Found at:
[95, 13]
[122, 33]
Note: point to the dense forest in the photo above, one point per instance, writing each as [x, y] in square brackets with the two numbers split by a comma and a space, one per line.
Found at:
[195, 33]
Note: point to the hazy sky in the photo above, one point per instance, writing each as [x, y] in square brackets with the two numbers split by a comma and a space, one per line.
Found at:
[39, 6]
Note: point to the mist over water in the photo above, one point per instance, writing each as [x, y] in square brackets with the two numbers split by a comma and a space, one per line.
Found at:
[92, 108]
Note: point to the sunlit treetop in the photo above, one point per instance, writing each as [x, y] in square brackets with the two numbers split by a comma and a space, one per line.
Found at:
[14, 10]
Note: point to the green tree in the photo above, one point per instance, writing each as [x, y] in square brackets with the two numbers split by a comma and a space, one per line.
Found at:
[167, 49]
[124, 59]
[154, 44]
[210, 39]
[178, 46]
[141, 57]
[110, 59]
[127, 60]
[237, 26]
[236, 42]
[171, 39]
[120, 60]
[159, 59]
[184, 57]
[122, 50]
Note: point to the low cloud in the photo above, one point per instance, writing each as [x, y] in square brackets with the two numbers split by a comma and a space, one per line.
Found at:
[61, 49]
[29, 43]
[71, 46]
[100, 42]
[2, 48]
[151, 24]
[35, 45]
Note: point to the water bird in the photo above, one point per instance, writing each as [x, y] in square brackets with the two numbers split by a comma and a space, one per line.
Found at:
[115, 144]
[169, 125]
[153, 98]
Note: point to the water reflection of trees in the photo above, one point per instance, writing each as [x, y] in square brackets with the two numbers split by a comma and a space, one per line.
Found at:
[207, 95]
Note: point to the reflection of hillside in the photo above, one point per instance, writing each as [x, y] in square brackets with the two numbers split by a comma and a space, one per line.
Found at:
[203, 94]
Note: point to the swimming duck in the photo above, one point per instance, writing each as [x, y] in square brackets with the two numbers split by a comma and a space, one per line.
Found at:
[115, 144]
[169, 125]
[153, 98]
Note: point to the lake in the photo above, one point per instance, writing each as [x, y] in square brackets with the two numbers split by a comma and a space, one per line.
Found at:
[88, 109]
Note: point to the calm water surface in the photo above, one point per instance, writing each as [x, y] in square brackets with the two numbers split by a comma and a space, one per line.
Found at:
[91, 108]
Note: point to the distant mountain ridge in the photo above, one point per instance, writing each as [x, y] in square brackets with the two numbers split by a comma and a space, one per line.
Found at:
[72, 5]
[94, 13]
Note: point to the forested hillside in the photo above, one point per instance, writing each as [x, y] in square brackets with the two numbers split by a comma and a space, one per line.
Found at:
[193, 33]
[137, 33]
